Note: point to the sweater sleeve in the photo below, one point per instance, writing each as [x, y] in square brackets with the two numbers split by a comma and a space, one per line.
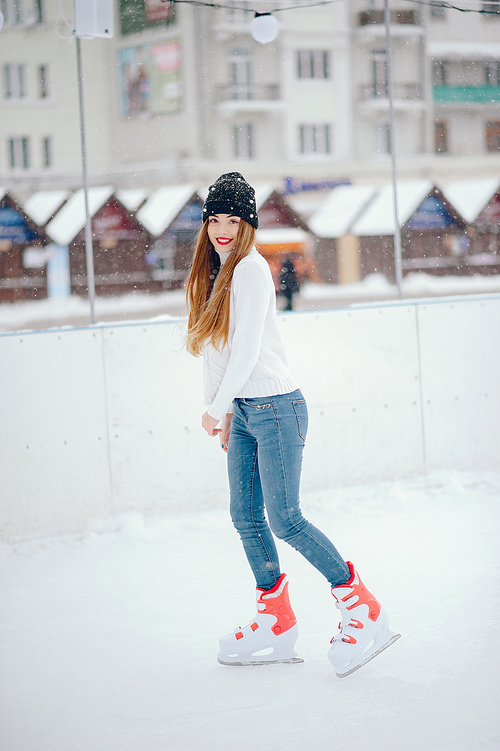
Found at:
[250, 303]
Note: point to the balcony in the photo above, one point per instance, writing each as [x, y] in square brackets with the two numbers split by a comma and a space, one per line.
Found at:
[377, 17]
[466, 94]
[249, 98]
[407, 96]
[404, 23]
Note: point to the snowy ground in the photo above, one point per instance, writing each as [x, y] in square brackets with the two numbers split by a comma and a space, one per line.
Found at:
[109, 639]
[74, 311]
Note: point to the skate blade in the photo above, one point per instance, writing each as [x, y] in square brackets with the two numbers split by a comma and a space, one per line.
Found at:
[370, 657]
[260, 662]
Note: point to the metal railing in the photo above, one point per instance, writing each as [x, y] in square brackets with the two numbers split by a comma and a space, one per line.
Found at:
[248, 92]
[410, 91]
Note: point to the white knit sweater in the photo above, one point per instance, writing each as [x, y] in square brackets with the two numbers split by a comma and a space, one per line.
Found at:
[254, 361]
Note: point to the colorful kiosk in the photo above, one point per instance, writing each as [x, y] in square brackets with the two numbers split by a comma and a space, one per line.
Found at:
[23, 253]
[433, 233]
[172, 216]
[478, 201]
[283, 234]
[337, 252]
[120, 245]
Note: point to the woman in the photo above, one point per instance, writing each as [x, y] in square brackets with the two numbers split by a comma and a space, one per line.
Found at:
[256, 408]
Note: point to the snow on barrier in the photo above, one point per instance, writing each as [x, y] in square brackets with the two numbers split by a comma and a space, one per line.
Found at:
[106, 419]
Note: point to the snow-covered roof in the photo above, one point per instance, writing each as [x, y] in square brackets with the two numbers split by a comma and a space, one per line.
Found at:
[340, 209]
[42, 205]
[132, 198]
[464, 50]
[277, 235]
[70, 220]
[262, 193]
[3, 193]
[470, 197]
[378, 219]
[163, 206]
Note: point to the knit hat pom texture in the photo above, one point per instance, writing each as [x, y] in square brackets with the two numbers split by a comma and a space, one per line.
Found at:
[231, 194]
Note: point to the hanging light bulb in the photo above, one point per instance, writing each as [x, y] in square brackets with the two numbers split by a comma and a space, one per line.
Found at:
[264, 28]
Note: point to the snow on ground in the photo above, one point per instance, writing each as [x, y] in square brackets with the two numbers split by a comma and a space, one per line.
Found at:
[375, 287]
[109, 639]
[75, 310]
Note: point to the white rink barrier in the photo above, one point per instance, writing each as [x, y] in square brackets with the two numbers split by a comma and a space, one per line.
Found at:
[106, 419]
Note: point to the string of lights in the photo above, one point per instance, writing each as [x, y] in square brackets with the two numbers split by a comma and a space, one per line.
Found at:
[494, 10]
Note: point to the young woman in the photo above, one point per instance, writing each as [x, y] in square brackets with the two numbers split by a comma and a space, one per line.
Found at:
[259, 414]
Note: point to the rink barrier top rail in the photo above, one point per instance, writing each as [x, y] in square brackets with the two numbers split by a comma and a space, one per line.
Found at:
[418, 302]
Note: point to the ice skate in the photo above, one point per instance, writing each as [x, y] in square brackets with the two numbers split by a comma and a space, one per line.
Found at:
[270, 637]
[364, 628]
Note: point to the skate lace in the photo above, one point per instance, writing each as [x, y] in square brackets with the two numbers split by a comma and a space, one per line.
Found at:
[342, 636]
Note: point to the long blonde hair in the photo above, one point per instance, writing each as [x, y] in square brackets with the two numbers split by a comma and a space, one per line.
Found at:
[208, 288]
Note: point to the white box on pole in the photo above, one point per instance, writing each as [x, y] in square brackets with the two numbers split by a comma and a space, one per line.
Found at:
[94, 18]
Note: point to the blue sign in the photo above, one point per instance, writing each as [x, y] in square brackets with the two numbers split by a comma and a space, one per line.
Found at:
[432, 214]
[189, 218]
[292, 185]
[14, 226]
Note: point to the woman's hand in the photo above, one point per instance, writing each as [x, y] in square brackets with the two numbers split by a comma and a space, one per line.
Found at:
[225, 430]
[209, 424]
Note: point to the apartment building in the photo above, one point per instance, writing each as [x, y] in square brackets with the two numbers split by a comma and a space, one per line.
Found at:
[182, 93]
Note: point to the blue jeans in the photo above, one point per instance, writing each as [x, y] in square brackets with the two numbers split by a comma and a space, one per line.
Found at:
[264, 466]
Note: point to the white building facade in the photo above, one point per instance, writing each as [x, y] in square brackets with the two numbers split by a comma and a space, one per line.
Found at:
[182, 93]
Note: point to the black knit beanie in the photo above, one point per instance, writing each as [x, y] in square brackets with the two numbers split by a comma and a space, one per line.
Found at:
[231, 194]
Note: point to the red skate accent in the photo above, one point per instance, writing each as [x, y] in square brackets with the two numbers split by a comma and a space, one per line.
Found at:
[276, 602]
[254, 626]
[239, 635]
[349, 639]
[355, 623]
[364, 596]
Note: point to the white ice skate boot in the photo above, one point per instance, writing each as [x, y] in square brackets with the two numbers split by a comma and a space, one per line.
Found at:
[364, 629]
[270, 637]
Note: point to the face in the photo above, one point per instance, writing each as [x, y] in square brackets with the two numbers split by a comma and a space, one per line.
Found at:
[222, 231]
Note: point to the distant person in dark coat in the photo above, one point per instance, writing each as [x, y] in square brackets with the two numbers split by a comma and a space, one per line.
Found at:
[289, 284]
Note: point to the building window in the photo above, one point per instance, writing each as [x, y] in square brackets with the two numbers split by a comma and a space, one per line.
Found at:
[437, 10]
[240, 73]
[492, 73]
[47, 151]
[493, 136]
[243, 138]
[14, 76]
[380, 81]
[440, 137]
[39, 10]
[439, 72]
[382, 138]
[313, 64]
[491, 8]
[19, 152]
[12, 11]
[240, 14]
[315, 139]
[22, 12]
[43, 81]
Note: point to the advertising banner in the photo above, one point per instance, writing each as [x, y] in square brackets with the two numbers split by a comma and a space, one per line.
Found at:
[158, 10]
[150, 79]
[138, 15]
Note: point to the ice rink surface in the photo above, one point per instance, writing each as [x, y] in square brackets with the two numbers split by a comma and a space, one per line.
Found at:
[109, 638]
